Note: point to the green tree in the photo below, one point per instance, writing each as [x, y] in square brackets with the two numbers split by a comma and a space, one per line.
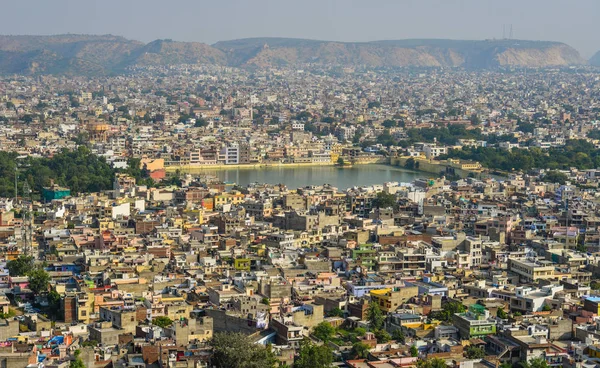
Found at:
[546, 308]
[432, 363]
[399, 336]
[375, 316]
[335, 312]
[314, 356]
[360, 350]
[324, 331]
[162, 321]
[77, 363]
[501, 314]
[304, 116]
[382, 336]
[236, 350]
[359, 331]
[39, 280]
[388, 123]
[385, 138]
[410, 164]
[200, 122]
[340, 161]
[414, 352]
[53, 300]
[595, 285]
[384, 200]
[525, 127]
[539, 362]
[11, 313]
[474, 352]
[20, 266]
[448, 310]
[555, 177]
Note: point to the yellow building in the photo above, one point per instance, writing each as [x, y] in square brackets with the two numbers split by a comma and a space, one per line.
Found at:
[242, 264]
[85, 306]
[228, 198]
[391, 298]
[106, 224]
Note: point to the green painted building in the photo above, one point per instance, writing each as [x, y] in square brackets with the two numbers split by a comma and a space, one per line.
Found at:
[55, 192]
[476, 322]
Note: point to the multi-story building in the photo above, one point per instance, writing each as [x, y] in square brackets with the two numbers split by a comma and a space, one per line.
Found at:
[476, 322]
[530, 270]
[390, 299]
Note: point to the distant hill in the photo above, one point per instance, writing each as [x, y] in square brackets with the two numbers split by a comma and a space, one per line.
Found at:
[263, 52]
[167, 52]
[595, 60]
[63, 54]
[108, 54]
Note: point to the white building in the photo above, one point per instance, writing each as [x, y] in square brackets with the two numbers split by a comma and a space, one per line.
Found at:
[433, 150]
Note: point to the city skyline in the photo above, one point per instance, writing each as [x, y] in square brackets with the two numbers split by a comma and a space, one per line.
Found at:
[332, 21]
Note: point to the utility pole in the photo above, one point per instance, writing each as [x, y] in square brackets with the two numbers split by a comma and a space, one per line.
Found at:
[26, 220]
[16, 179]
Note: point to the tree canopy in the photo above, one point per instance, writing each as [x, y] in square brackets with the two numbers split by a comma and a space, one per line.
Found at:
[20, 266]
[162, 321]
[324, 331]
[375, 316]
[399, 336]
[474, 352]
[77, 363]
[79, 170]
[432, 363]
[38, 280]
[555, 177]
[384, 200]
[576, 153]
[236, 350]
[314, 356]
[501, 314]
[539, 362]
[448, 310]
[414, 352]
[335, 312]
[360, 350]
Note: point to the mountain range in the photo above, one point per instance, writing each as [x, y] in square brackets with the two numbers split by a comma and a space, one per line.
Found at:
[108, 54]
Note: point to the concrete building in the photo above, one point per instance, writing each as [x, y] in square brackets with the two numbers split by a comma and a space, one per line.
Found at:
[476, 322]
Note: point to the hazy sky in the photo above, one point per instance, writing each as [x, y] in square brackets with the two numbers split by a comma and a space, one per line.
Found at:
[573, 22]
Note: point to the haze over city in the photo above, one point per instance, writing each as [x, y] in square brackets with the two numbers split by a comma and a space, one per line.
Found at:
[338, 20]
